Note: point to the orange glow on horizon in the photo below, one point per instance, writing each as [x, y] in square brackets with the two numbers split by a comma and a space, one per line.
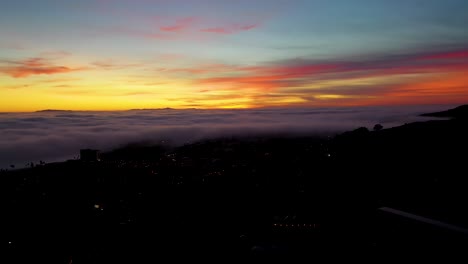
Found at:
[50, 83]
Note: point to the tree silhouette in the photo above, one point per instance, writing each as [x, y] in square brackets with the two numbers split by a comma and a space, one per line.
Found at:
[378, 127]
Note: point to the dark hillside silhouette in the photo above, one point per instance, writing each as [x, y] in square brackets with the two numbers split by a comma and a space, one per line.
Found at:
[459, 112]
[243, 198]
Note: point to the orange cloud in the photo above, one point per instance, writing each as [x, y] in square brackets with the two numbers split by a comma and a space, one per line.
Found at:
[33, 66]
[455, 84]
[374, 80]
[267, 77]
[20, 72]
[448, 88]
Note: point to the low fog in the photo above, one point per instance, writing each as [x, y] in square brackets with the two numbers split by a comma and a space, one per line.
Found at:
[59, 135]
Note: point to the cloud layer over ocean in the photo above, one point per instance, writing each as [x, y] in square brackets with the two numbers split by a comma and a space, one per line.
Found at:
[58, 135]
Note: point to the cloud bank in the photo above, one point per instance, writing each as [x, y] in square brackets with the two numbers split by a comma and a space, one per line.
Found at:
[55, 136]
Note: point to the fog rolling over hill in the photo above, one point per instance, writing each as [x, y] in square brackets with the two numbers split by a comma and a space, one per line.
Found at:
[58, 135]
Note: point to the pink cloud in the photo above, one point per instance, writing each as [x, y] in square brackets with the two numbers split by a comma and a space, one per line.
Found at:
[248, 27]
[187, 28]
[229, 29]
[33, 66]
[460, 54]
[180, 25]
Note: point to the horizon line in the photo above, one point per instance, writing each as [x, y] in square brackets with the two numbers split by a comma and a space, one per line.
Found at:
[244, 108]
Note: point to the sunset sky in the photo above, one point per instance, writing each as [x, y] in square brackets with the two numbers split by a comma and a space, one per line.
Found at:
[127, 54]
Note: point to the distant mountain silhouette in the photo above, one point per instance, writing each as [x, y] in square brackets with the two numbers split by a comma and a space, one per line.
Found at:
[458, 112]
[53, 110]
[146, 109]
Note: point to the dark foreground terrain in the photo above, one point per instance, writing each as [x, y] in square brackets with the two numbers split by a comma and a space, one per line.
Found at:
[376, 193]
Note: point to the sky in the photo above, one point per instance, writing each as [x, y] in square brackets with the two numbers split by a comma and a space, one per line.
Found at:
[136, 54]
